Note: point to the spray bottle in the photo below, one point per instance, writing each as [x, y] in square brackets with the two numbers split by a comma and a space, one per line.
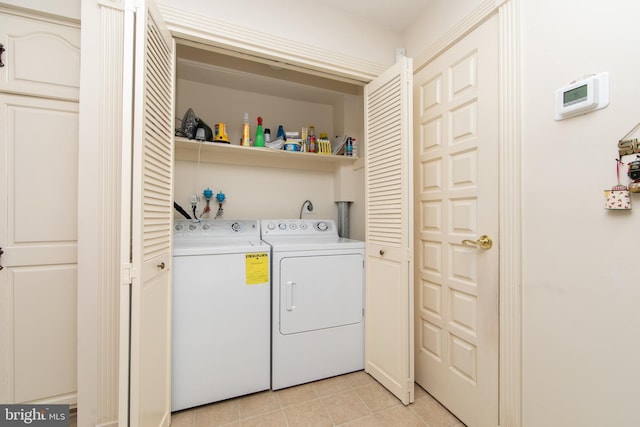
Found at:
[259, 142]
[246, 131]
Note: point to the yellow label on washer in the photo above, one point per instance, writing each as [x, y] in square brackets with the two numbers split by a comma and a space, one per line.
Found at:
[257, 268]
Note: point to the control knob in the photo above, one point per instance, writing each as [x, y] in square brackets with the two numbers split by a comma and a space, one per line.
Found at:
[322, 226]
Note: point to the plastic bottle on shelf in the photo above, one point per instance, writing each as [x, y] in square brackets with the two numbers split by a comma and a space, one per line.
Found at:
[304, 138]
[312, 139]
[348, 149]
[246, 131]
[259, 142]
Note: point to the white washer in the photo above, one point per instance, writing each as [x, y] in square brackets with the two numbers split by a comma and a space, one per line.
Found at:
[318, 301]
[221, 311]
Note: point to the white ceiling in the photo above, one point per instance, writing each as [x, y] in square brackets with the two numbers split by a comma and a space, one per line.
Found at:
[393, 14]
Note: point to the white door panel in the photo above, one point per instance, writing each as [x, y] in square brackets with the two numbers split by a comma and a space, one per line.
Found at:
[41, 58]
[319, 292]
[38, 208]
[389, 219]
[151, 127]
[456, 159]
[44, 324]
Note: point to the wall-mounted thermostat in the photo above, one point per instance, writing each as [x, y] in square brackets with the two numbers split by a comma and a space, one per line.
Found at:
[586, 95]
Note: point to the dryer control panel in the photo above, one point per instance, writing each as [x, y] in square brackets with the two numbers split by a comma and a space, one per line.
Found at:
[298, 227]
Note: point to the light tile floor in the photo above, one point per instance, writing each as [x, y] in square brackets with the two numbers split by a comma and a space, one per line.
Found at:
[354, 400]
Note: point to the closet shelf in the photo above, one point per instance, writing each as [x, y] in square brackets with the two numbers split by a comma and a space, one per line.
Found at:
[212, 152]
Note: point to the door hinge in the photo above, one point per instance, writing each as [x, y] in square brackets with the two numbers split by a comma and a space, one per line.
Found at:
[128, 274]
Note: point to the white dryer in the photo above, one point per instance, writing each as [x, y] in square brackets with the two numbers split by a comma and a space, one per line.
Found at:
[221, 311]
[318, 301]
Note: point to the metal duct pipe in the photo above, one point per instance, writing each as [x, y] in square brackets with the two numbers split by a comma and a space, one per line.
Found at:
[343, 218]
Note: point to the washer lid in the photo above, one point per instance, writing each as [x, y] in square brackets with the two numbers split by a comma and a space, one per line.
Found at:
[189, 247]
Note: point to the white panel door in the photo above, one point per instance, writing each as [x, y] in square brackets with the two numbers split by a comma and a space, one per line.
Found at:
[389, 233]
[151, 207]
[38, 234]
[456, 188]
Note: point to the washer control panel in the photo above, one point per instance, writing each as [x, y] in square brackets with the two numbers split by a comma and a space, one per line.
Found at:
[298, 227]
[215, 228]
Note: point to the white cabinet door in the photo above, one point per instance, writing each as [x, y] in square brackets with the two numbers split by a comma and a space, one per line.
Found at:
[38, 234]
[389, 232]
[38, 209]
[151, 217]
[41, 57]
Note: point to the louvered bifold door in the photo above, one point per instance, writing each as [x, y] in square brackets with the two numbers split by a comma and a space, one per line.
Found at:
[152, 177]
[389, 291]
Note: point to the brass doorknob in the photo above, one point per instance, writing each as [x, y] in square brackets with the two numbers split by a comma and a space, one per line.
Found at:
[484, 242]
[161, 266]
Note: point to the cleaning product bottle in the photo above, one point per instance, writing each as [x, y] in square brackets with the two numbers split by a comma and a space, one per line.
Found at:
[312, 139]
[304, 137]
[259, 142]
[246, 131]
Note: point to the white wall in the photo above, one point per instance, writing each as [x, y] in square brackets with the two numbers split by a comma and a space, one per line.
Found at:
[429, 27]
[63, 8]
[255, 192]
[581, 288]
[304, 21]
